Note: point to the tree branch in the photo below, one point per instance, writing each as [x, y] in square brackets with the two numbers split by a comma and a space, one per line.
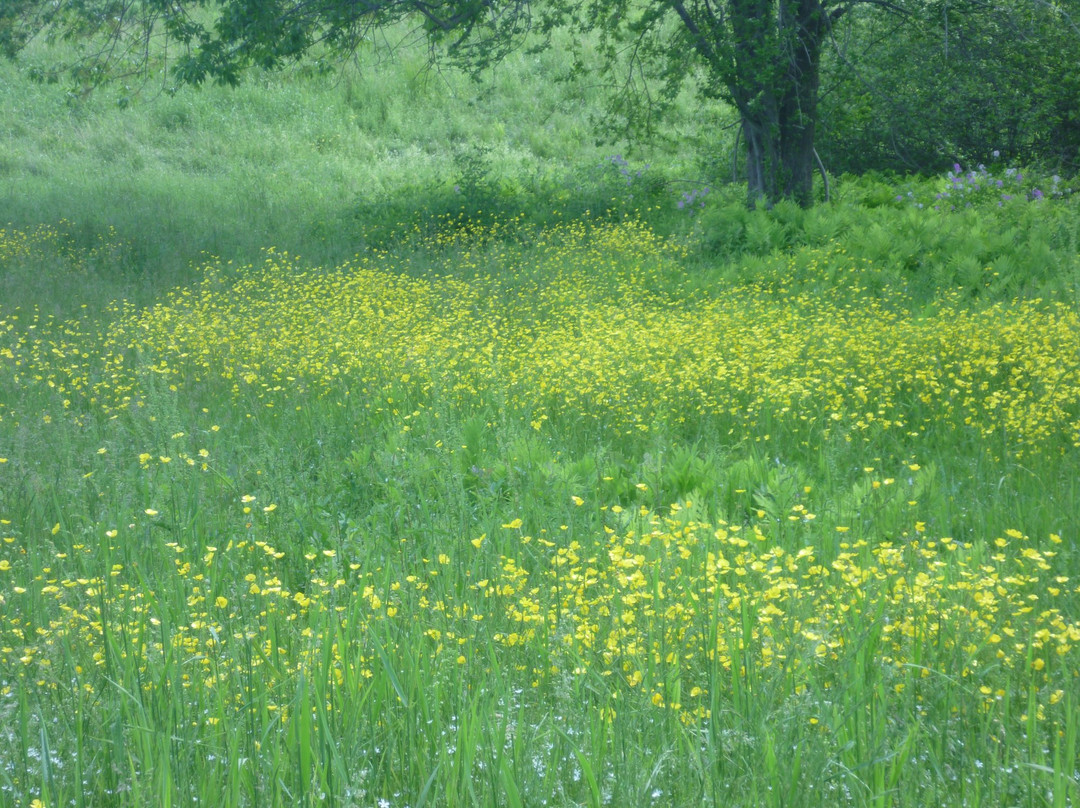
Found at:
[703, 45]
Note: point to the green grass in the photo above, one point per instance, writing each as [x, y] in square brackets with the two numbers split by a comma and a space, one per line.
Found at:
[318, 164]
[489, 500]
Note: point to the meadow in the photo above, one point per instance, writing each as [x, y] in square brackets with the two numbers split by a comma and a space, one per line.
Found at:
[358, 455]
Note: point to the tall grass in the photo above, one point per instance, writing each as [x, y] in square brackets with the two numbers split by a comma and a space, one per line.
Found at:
[320, 163]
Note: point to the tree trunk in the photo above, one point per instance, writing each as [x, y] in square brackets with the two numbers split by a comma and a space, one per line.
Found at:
[798, 108]
[779, 157]
[761, 163]
[776, 91]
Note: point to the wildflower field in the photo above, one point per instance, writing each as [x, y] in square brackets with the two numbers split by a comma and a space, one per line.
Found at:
[503, 513]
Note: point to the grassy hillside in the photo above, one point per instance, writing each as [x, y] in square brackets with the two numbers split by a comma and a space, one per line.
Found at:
[377, 439]
[314, 162]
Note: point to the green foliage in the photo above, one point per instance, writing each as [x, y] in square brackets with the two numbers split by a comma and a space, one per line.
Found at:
[960, 83]
[909, 238]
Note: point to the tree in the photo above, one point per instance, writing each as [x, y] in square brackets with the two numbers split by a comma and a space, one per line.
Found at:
[762, 56]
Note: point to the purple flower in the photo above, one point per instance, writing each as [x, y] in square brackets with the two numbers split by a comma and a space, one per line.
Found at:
[1036, 193]
[956, 167]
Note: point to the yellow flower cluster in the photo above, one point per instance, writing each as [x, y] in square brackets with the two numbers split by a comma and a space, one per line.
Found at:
[575, 325]
[19, 244]
[667, 600]
[668, 605]
[581, 325]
